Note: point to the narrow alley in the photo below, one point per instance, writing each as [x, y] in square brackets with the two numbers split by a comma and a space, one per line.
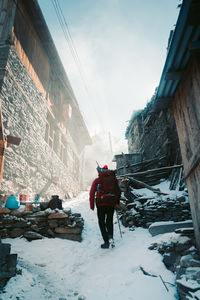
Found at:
[61, 269]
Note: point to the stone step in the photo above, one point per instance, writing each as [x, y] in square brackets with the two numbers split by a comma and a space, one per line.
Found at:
[168, 226]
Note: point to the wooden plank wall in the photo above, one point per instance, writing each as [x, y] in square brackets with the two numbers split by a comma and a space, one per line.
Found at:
[193, 183]
[7, 12]
[186, 108]
[30, 49]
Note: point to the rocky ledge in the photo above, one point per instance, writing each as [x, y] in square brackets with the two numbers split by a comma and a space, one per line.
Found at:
[37, 225]
[181, 257]
[143, 211]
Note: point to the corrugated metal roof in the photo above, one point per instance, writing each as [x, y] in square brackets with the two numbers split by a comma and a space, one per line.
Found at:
[186, 34]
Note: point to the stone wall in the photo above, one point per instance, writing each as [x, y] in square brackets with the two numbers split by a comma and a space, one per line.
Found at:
[181, 257]
[39, 224]
[8, 263]
[33, 167]
[142, 211]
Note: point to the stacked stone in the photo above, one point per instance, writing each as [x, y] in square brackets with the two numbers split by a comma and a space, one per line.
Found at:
[8, 264]
[37, 225]
[182, 258]
[143, 212]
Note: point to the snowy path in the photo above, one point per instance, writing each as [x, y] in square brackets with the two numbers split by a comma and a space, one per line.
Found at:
[62, 270]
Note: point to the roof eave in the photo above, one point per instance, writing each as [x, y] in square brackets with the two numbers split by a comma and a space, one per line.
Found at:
[179, 52]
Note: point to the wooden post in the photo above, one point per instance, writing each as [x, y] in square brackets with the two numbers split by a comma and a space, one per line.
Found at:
[142, 184]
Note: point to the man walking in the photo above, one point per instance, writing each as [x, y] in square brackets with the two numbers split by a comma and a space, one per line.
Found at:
[105, 193]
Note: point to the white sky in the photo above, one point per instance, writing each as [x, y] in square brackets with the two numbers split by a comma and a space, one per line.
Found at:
[121, 45]
[58, 269]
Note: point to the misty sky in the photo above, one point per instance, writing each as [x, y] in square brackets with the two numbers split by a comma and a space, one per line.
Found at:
[122, 48]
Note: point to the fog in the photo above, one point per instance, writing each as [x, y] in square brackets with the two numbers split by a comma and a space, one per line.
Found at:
[102, 150]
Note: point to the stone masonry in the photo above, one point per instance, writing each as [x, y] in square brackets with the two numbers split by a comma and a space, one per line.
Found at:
[37, 225]
[31, 167]
[181, 257]
[8, 263]
[143, 211]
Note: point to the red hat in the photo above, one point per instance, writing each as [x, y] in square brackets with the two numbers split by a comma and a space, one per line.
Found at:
[105, 167]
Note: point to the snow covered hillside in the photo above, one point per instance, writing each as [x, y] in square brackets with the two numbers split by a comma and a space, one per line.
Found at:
[62, 270]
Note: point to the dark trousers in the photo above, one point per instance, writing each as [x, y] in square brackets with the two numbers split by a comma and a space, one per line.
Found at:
[105, 219]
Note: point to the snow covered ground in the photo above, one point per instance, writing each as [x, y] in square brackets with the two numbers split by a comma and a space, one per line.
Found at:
[62, 270]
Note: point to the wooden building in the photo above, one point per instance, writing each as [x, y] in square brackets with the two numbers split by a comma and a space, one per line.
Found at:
[39, 106]
[124, 162]
[179, 88]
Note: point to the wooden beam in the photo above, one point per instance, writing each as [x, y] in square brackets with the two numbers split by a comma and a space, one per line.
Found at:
[154, 170]
[142, 163]
[142, 184]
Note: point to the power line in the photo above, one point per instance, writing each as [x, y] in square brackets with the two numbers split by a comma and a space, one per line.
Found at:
[63, 27]
[70, 42]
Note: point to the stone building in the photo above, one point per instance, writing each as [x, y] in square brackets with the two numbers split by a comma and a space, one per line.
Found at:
[179, 88]
[153, 134]
[37, 105]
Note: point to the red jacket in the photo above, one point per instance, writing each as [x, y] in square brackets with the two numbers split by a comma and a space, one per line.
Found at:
[93, 191]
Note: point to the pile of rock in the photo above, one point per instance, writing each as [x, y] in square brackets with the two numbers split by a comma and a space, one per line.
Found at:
[8, 264]
[143, 211]
[37, 225]
[182, 258]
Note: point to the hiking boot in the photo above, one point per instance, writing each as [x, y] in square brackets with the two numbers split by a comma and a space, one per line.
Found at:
[105, 246]
[111, 242]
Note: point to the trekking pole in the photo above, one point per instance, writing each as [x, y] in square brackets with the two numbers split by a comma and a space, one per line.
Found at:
[119, 224]
[98, 167]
